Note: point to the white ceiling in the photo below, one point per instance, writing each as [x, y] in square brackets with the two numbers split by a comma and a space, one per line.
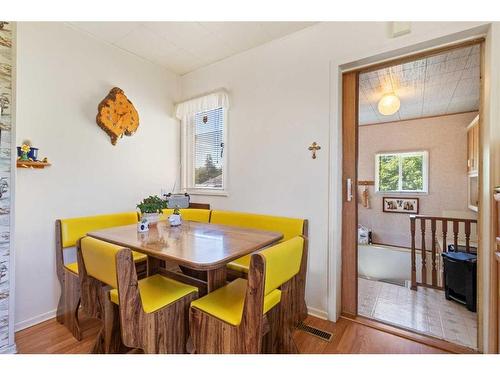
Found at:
[442, 84]
[186, 46]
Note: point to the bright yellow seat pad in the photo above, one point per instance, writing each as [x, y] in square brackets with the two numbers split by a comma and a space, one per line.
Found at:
[241, 264]
[157, 291]
[138, 257]
[227, 303]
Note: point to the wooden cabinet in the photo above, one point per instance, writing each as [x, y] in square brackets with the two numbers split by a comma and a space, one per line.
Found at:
[473, 145]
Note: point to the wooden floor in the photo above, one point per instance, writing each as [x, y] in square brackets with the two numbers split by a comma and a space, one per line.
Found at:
[349, 337]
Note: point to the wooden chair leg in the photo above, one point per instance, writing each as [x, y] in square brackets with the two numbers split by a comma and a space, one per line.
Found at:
[69, 304]
[270, 340]
[109, 339]
[168, 328]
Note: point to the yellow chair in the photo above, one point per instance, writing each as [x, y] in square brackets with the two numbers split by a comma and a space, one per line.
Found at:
[68, 231]
[199, 215]
[232, 319]
[289, 227]
[153, 311]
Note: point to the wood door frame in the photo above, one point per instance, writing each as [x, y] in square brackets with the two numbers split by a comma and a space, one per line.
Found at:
[350, 140]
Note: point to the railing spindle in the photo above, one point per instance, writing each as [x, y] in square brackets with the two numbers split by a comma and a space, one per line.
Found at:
[434, 267]
[467, 236]
[455, 233]
[413, 254]
[444, 224]
[423, 252]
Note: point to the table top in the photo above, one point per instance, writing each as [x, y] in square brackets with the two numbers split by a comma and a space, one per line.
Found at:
[200, 246]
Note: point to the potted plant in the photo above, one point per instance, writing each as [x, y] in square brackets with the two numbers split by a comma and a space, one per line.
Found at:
[175, 219]
[151, 208]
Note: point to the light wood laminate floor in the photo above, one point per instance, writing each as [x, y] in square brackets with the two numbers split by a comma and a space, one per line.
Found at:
[349, 337]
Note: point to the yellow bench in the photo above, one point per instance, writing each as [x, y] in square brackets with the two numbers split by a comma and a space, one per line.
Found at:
[289, 227]
[199, 215]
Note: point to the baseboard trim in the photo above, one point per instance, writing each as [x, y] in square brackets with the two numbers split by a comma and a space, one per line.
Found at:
[317, 313]
[12, 349]
[35, 320]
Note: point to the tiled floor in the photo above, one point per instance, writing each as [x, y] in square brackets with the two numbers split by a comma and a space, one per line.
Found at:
[425, 311]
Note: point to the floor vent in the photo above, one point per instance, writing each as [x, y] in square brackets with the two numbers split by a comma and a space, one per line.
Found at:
[323, 335]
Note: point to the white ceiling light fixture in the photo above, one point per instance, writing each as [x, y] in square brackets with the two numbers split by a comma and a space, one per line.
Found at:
[389, 104]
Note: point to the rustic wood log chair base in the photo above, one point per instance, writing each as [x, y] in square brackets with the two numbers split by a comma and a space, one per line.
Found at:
[161, 331]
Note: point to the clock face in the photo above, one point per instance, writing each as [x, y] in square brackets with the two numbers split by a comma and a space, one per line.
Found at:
[117, 116]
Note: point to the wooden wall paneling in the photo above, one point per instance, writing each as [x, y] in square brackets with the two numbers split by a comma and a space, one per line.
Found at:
[349, 298]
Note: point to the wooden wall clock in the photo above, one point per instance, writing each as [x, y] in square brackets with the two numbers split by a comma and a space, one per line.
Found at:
[116, 115]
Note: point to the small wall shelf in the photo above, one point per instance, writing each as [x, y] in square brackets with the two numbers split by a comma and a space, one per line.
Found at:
[32, 164]
[366, 183]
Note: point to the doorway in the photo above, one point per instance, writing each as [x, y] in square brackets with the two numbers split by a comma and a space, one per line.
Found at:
[410, 192]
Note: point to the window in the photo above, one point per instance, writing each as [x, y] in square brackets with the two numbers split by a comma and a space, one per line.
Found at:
[203, 143]
[402, 172]
[208, 149]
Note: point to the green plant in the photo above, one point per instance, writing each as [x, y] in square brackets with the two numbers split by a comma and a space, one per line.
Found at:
[177, 210]
[152, 204]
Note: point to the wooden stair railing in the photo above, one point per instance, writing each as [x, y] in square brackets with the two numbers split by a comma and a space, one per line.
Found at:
[435, 252]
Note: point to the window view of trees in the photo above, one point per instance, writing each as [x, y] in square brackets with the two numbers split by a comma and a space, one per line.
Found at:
[388, 173]
[401, 172]
[209, 174]
[209, 148]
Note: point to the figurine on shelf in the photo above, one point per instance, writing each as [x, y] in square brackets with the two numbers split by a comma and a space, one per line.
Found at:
[25, 150]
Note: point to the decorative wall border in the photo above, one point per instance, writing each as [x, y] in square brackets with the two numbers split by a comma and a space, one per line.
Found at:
[6, 112]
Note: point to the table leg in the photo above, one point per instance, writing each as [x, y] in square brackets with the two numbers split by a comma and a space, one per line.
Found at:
[154, 265]
[216, 278]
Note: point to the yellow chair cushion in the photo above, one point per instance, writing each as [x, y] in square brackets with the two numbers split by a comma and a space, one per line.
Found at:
[227, 303]
[73, 267]
[100, 259]
[137, 257]
[282, 262]
[191, 214]
[157, 291]
[74, 229]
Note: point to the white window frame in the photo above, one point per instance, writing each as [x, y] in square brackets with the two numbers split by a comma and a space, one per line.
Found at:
[187, 159]
[401, 155]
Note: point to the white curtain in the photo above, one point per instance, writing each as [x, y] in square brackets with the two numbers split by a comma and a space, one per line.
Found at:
[203, 103]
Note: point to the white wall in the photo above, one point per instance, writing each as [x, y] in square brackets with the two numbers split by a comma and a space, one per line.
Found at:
[285, 95]
[62, 75]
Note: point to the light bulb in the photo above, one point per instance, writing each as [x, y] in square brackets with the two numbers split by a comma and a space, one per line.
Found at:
[388, 104]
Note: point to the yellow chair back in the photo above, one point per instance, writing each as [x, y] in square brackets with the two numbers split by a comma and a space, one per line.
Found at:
[192, 214]
[99, 258]
[75, 228]
[290, 227]
[282, 262]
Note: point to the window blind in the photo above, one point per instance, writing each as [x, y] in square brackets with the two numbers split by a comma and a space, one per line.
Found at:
[208, 148]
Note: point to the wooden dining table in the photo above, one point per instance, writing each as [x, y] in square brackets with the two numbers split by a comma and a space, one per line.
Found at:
[193, 246]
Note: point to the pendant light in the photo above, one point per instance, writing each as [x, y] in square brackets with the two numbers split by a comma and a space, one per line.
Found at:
[389, 104]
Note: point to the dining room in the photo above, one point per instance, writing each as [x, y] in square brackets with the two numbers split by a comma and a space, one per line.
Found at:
[175, 186]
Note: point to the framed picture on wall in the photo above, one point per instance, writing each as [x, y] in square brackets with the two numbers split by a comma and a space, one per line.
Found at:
[400, 205]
